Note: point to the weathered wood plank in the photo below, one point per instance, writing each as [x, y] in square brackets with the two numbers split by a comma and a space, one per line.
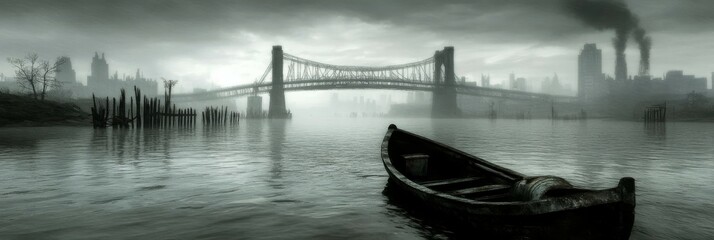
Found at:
[481, 189]
[445, 182]
[492, 197]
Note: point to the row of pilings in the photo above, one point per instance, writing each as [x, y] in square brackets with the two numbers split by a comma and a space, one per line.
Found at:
[655, 113]
[121, 117]
[148, 112]
[219, 116]
[158, 116]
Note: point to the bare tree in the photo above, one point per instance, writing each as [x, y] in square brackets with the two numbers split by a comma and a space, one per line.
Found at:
[26, 72]
[49, 75]
[36, 75]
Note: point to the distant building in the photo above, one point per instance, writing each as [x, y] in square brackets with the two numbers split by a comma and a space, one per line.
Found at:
[67, 78]
[590, 78]
[553, 86]
[486, 81]
[65, 73]
[100, 84]
[676, 82]
[518, 84]
[255, 107]
[100, 73]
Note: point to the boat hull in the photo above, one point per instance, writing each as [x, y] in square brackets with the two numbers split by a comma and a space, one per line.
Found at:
[605, 221]
[567, 214]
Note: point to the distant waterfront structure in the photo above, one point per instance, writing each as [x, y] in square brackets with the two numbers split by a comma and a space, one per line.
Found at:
[67, 78]
[65, 73]
[518, 84]
[255, 107]
[590, 77]
[486, 81]
[100, 71]
[553, 86]
[676, 82]
[101, 84]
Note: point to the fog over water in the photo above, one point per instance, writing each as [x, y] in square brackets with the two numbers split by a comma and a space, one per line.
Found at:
[343, 71]
[310, 178]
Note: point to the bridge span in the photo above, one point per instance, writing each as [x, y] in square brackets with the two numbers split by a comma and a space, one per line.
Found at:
[434, 74]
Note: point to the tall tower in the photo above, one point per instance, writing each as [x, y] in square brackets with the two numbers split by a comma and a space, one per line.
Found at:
[98, 82]
[100, 68]
[620, 67]
[444, 104]
[277, 108]
[590, 80]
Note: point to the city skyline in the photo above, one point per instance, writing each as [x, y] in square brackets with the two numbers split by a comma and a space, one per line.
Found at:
[229, 44]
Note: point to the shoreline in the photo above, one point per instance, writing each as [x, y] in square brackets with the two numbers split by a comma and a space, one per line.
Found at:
[24, 111]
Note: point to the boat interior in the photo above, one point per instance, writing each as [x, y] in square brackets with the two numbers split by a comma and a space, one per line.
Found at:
[445, 170]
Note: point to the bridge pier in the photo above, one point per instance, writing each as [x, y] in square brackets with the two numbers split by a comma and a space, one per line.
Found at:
[277, 108]
[444, 94]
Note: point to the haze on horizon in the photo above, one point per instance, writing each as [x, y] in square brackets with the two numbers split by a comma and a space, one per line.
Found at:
[222, 43]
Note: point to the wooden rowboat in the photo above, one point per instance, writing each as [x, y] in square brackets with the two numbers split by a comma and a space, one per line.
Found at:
[501, 203]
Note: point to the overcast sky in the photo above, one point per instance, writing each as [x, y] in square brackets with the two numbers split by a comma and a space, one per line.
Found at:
[228, 42]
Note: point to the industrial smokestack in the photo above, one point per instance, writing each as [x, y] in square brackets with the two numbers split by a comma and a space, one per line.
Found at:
[613, 14]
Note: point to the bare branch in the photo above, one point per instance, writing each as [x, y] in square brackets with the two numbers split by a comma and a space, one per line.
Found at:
[35, 75]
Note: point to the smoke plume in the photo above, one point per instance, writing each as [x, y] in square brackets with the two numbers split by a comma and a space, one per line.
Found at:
[614, 15]
[645, 43]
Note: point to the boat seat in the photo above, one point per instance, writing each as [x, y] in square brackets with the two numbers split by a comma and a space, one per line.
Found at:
[451, 181]
[480, 189]
[492, 197]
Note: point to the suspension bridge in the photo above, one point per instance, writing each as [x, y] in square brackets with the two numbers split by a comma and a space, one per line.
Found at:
[434, 74]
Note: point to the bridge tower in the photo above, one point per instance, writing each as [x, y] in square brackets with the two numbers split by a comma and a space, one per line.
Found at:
[444, 94]
[277, 109]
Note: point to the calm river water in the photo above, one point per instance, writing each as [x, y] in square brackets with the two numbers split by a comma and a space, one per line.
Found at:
[323, 178]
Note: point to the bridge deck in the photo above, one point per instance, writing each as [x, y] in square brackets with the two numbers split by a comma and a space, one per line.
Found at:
[310, 85]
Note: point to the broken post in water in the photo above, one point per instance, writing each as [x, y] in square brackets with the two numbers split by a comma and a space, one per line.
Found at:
[655, 113]
[219, 116]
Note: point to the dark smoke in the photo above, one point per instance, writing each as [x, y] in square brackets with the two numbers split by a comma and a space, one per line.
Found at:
[645, 43]
[613, 15]
[620, 43]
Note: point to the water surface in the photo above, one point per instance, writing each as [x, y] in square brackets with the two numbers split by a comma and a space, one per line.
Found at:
[309, 178]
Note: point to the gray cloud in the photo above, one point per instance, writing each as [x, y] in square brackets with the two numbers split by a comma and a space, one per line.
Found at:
[171, 19]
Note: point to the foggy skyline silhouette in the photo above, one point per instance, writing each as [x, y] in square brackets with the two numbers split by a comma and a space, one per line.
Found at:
[224, 44]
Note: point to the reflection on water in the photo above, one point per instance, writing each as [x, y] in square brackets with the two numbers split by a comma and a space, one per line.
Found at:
[323, 178]
[277, 139]
[656, 130]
